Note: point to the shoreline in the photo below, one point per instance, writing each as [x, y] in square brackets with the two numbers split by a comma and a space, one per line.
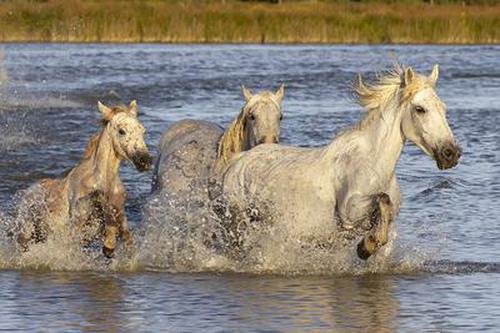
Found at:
[250, 43]
[241, 43]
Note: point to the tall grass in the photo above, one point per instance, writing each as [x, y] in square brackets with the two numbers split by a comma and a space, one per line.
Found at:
[247, 22]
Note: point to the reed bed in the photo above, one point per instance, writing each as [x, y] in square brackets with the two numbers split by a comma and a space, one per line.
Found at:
[247, 22]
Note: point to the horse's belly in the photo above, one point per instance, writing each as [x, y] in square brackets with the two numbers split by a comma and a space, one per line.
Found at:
[302, 208]
[308, 216]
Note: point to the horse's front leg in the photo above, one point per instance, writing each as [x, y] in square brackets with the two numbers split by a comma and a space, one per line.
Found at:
[116, 224]
[381, 218]
[111, 229]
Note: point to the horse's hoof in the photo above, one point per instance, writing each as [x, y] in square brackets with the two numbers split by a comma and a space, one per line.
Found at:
[109, 253]
[384, 198]
[363, 253]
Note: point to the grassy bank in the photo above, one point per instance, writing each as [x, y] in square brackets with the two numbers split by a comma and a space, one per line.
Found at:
[247, 22]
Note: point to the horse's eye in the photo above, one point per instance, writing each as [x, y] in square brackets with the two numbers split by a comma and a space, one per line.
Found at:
[252, 116]
[122, 131]
[281, 117]
[420, 109]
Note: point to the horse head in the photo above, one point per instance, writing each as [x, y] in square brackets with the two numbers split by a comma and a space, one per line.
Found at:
[261, 117]
[127, 134]
[424, 118]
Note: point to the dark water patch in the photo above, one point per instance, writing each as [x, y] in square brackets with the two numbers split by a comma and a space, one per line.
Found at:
[460, 267]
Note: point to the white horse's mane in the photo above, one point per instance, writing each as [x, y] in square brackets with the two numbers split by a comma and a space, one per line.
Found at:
[376, 97]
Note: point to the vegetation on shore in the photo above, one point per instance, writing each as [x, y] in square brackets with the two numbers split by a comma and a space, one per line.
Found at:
[230, 21]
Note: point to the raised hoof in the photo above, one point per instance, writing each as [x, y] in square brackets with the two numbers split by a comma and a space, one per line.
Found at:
[384, 198]
[363, 252]
[109, 253]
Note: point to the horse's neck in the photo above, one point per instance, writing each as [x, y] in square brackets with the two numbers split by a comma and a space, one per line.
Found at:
[380, 142]
[105, 163]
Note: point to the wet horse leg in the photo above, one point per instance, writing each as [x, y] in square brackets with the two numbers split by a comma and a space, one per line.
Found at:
[118, 202]
[92, 208]
[87, 215]
[33, 213]
[115, 225]
[381, 218]
[111, 228]
[125, 233]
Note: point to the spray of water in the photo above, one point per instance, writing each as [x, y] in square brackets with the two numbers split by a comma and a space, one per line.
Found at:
[194, 232]
[189, 232]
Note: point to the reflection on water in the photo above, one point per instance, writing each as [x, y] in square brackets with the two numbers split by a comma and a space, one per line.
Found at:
[446, 270]
[90, 301]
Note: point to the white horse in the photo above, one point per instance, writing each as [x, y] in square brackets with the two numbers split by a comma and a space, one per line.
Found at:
[348, 187]
[92, 191]
[192, 150]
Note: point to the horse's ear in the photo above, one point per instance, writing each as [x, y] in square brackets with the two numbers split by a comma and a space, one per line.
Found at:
[106, 112]
[246, 93]
[409, 75]
[280, 93]
[434, 75]
[132, 108]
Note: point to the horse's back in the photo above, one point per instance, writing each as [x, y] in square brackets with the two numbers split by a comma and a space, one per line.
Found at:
[187, 152]
[269, 161]
[290, 177]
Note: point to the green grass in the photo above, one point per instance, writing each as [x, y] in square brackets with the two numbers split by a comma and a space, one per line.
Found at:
[190, 21]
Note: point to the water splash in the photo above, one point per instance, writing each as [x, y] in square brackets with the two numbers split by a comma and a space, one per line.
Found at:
[61, 248]
[184, 233]
[15, 131]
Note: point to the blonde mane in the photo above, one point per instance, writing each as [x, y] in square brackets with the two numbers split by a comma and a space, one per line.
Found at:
[232, 140]
[94, 139]
[376, 97]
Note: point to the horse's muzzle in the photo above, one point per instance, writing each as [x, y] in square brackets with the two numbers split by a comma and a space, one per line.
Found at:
[447, 155]
[142, 161]
[269, 139]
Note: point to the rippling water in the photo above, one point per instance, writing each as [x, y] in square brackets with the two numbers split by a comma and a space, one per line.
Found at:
[445, 278]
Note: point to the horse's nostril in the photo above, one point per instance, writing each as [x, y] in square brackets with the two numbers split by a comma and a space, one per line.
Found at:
[268, 139]
[142, 161]
[448, 153]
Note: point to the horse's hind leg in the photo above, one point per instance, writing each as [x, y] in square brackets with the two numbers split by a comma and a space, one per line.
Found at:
[109, 243]
[32, 214]
[23, 239]
[381, 219]
[125, 233]
[35, 232]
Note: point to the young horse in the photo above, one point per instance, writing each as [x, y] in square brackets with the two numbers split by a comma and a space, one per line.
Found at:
[92, 190]
[193, 150]
[348, 187]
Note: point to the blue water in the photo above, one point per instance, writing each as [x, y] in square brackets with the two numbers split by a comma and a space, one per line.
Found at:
[449, 220]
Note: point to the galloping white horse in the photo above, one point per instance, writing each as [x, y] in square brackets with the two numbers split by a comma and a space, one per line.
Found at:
[350, 185]
[192, 150]
[92, 191]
